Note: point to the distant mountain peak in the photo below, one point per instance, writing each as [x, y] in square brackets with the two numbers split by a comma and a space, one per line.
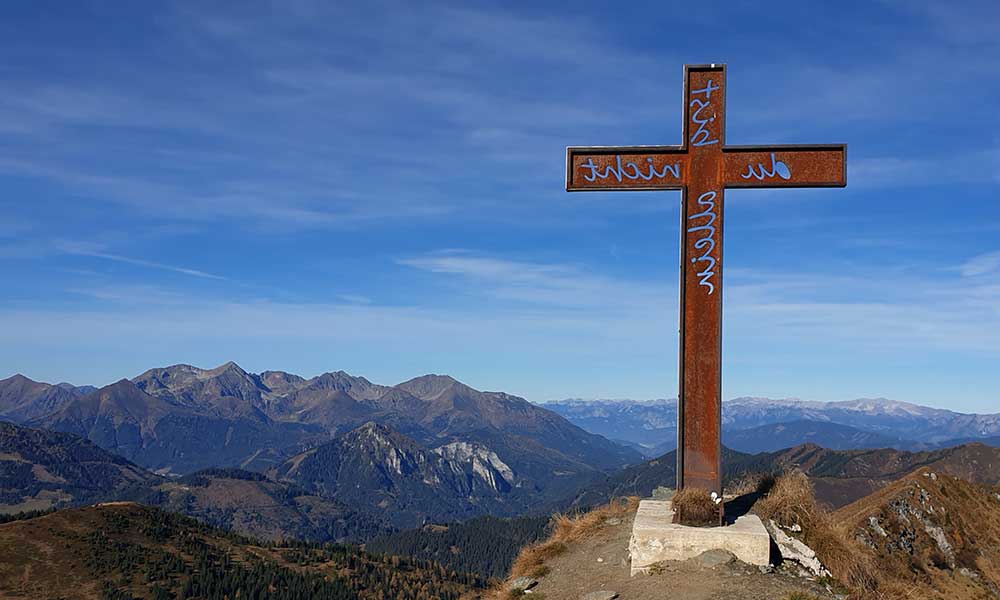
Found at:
[22, 398]
[431, 386]
[432, 379]
[885, 406]
[341, 376]
[379, 435]
[228, 366]
[371, 427]
[187, 372]
[126, 395]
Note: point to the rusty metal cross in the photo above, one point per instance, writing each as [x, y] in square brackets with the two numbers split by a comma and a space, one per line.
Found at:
[702, 167]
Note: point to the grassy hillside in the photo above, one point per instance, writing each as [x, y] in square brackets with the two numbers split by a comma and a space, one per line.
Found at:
[124, 550]
[932, 535]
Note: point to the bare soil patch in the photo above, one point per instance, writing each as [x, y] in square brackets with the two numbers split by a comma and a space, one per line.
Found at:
[596, 559]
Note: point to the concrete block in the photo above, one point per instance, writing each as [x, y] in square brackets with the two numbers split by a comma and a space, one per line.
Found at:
[655, 538]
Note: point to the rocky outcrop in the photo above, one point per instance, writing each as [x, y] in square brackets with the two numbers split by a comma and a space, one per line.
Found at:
[930, 528]
[793, 549]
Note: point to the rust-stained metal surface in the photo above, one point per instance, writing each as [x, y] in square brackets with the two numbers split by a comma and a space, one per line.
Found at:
[702, 167]
[642, 167]
[805, 166]
[699, 426]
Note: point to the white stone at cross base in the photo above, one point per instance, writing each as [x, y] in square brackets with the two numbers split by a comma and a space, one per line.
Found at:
[656, 538]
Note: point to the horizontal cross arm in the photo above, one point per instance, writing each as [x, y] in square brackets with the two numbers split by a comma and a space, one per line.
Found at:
[786, 166]
[626, 168]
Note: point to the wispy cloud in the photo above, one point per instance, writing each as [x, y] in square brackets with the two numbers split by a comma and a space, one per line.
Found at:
[551, 284]
[151, 297]
[89, 250]
[355, 298]
[981, 166]
[889, 308]
[551, 317]
[268, 144]
[615, 318]
[981, 264]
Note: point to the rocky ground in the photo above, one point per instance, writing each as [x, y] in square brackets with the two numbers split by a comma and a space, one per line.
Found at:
[597, 568]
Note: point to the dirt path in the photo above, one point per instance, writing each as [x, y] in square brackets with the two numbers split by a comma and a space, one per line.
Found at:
[600, 562]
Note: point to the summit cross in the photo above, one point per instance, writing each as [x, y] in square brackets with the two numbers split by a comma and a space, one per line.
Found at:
[702, 167]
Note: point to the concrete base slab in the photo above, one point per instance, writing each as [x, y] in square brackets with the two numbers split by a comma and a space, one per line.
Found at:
[655, 538]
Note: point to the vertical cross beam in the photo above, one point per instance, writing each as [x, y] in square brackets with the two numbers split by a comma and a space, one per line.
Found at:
[699, 410]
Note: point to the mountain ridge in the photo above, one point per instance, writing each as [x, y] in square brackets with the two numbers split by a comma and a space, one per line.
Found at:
[652, 424]
[839, 477]
[182, 418]
[483, 451]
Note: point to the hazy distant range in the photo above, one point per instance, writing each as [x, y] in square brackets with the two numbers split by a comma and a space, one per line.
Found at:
[765, 425]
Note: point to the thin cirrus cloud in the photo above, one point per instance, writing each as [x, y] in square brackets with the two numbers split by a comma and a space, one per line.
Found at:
[902, 311]
[286, 115]
[554, 285]
[982, 264]
[92, 251]
[555, 313]
[979, 166]
[555, 316]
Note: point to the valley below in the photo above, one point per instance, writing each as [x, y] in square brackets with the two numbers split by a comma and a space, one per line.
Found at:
[430, 470]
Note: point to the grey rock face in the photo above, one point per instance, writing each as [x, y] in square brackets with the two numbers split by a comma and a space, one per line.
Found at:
[794, 550]
[522, 583]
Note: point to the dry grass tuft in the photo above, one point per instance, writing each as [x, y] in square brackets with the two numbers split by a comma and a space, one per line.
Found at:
[750, 483]
[539, 572]
[800, 596]
[570, 529]
[567, 529]
[532, 558]
[694, 506]
[791, 501]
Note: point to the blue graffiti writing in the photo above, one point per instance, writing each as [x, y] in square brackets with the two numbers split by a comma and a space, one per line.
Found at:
[707, 242]
[702, 136]
[629, 170]
[761, 172]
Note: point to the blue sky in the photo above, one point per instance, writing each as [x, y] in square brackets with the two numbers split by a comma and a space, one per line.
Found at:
[378, 188]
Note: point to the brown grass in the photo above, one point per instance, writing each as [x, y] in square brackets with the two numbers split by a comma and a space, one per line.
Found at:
[970, 516]
[566, 530]
[800, 596]
[791, 501]
[750, 483]
[694, 506]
